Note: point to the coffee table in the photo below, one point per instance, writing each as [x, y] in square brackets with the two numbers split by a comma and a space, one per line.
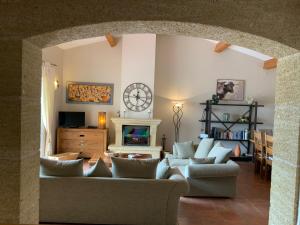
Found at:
[108, 155]
[65, 156]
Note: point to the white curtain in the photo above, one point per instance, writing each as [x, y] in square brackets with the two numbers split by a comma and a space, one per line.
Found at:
[47, 109]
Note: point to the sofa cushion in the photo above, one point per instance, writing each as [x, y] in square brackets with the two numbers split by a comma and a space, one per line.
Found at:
[134, 168]
[181, 170]
[66, 168]
[208, 160]
[222, 154]
[174, 151]
[98, 170]
[163, 170]
[204, 148]
[185, 150]
[178, 162]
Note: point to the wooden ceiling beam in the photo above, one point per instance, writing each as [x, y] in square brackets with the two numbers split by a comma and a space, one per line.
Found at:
[111, 40]
[221, 46]
[270, 64]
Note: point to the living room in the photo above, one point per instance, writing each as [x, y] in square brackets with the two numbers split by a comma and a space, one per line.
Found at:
[178, 70]
[268, 27]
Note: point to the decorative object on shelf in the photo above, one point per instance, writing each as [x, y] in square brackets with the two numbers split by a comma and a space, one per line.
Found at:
[118, 114]
[102, 120]
[215, 99]
[244, 119]
[177, 116]
[237, 151]
[124, 113]
[90, 93]
[229, 89]
[249, 100]
[226, 117]
[137, 97]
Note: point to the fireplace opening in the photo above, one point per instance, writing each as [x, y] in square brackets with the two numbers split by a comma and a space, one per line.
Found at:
[136, 135]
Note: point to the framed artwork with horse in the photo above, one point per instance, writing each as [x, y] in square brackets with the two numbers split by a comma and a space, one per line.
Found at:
[230, 89]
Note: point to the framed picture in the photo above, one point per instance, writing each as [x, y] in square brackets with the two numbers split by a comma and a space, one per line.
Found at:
[229, 89]
[90, 93]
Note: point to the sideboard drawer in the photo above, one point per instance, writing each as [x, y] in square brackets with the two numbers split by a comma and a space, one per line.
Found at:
[90, 142]
[86, 135]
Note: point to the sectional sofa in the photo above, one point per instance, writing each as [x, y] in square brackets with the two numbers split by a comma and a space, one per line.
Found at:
[209, 180]
[107, 200]
[217, 179]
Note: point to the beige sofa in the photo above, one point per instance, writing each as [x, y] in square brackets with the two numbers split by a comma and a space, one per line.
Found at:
[208, 180]
[96, 200]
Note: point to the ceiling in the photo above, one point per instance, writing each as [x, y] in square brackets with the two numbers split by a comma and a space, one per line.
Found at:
[81, 42]
[87, 41]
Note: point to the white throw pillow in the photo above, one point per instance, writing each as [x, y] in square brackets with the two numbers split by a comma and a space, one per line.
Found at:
[134, 168]
[59, 168]
[175, 154]
[185, 150]
[98, 170]
[222, 154]
[163, 170]
[204, 148]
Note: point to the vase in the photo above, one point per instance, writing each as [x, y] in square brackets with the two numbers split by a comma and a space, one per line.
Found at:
[237, 151]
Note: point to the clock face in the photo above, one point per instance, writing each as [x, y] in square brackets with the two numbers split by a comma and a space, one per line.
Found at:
[137, 97]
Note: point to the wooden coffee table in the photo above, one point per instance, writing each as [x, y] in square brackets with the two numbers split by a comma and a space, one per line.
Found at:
[64, 156]
[108, 155]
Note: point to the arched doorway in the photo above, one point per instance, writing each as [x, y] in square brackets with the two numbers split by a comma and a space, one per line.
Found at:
[285, 173]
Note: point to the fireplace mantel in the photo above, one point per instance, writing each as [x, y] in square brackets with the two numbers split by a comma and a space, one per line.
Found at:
[120, 148]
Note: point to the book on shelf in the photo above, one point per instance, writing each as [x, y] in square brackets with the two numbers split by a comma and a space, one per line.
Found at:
[219, 133]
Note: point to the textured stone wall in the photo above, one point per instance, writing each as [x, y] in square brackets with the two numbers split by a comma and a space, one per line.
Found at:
[285, 174]
[10, 119]
[20, 62]
[273, 19]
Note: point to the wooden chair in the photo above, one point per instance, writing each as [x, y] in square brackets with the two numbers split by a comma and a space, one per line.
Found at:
[259, 152]
[269, 155]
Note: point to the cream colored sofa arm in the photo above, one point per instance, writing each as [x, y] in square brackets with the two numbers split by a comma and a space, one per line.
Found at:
[229, 169]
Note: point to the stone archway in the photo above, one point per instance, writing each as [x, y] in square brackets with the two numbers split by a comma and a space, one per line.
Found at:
[285, 178]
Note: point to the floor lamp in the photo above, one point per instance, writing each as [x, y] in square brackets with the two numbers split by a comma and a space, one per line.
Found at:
[178, 113]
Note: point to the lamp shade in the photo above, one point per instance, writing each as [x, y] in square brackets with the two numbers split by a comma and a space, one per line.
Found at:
[102, 120]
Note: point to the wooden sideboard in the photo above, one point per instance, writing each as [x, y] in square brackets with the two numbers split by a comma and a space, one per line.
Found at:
[91, 143]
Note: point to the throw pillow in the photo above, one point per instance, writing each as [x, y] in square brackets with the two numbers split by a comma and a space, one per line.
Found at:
[209, 160]
[204, 148]
[174, 152]
[134, 168]
[98, 170]
[66, 168]
[163, 170]
[218, 144]
[222, 154]
[185, 150]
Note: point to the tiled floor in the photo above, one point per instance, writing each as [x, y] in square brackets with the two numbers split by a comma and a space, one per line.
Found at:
[250, 207]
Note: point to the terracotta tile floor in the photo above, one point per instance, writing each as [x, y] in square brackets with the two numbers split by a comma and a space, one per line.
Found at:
[250, 207]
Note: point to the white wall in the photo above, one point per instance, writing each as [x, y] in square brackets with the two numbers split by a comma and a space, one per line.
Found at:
[54, 55]
[138, 65]
[97, 63]
[187, 69]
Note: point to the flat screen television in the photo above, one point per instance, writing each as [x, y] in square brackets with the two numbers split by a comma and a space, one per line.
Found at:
[71, 119]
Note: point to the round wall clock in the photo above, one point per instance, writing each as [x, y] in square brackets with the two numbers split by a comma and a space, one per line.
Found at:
[137, 97]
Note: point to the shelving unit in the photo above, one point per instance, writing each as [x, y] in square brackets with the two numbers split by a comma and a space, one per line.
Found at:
[251, 124]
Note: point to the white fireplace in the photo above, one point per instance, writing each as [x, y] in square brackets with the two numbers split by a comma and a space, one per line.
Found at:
[136, 136]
